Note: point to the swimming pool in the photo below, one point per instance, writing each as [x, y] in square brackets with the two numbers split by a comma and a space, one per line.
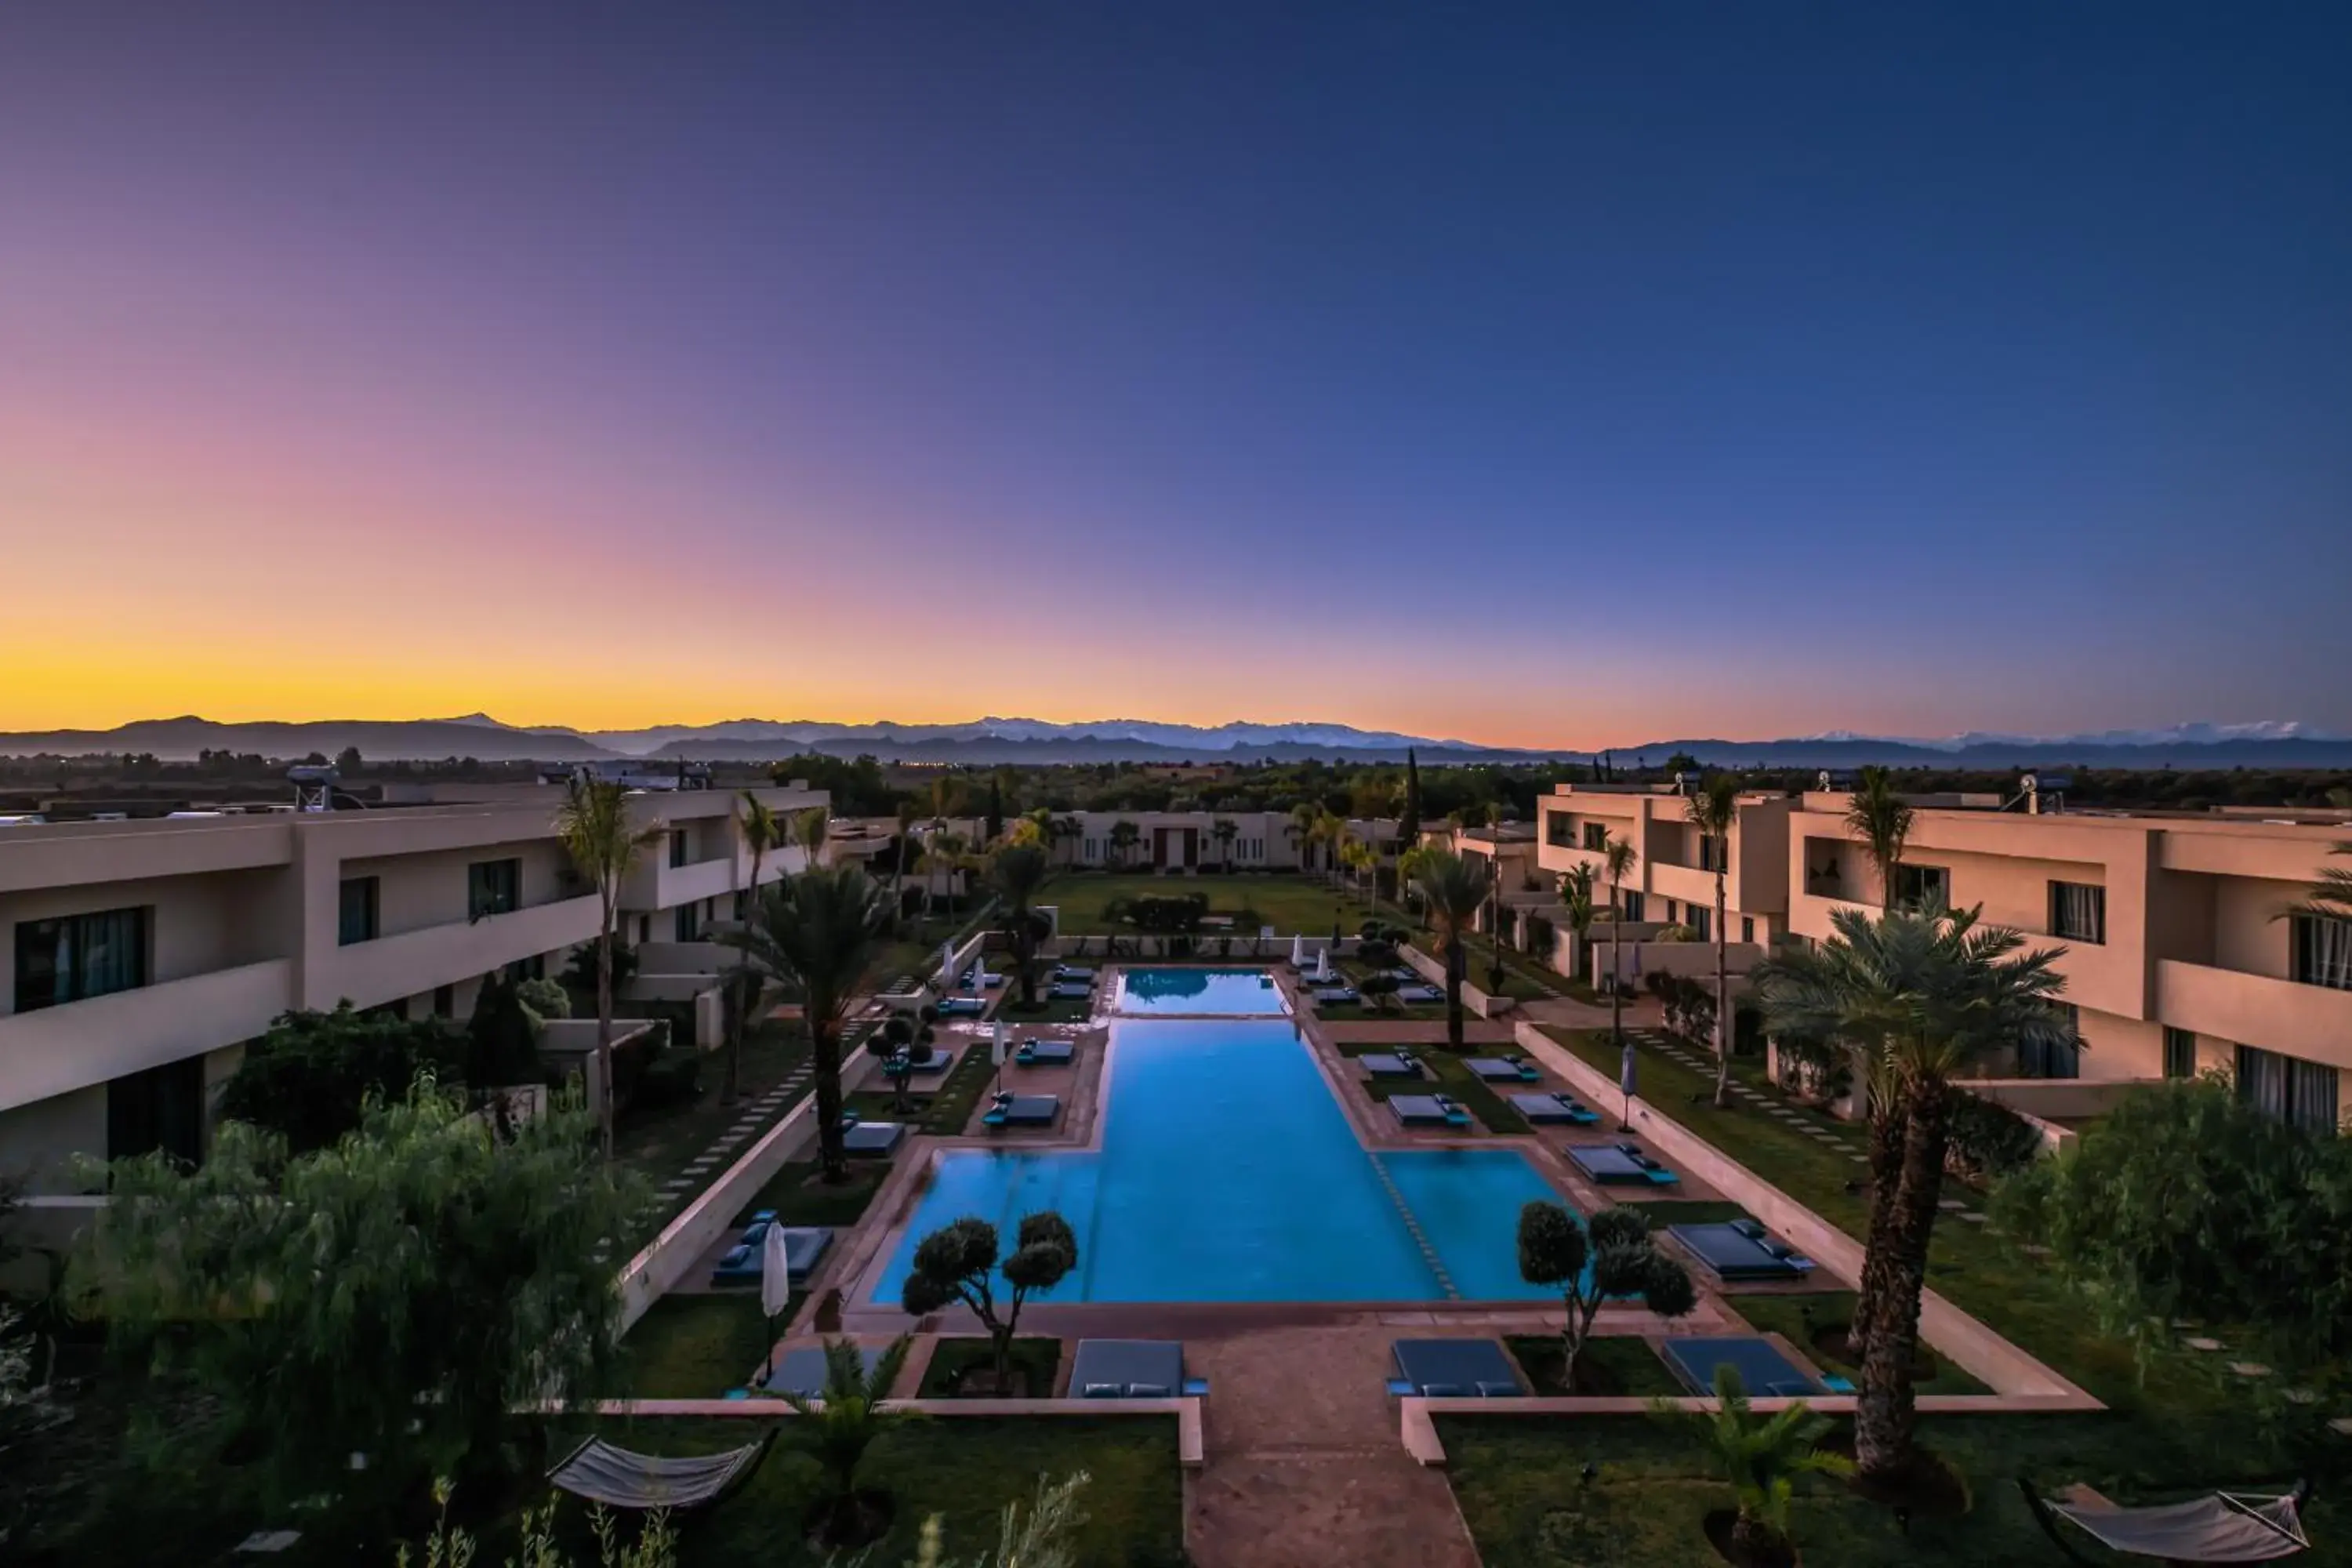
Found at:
[1234, 992]
[1228, 1173]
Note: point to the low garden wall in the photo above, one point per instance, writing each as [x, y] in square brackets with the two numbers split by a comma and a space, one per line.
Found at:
[1190, 1446]
[1475, 1000]
[666, 1259]
[1992, 1360]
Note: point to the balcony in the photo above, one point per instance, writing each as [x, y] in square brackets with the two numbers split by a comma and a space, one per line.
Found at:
[2313, 1022]
[55, 1050]
[1688, 883]
[370, 974]
[663, 885]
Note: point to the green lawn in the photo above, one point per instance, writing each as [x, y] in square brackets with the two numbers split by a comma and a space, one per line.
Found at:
[1446, 1074]
[963, 1469]
[798, 1197]
[1786, 1315]
[1616, 1366]
[1037, 1359]
[695, 1347]
[1305, 905]
[1520, 1487]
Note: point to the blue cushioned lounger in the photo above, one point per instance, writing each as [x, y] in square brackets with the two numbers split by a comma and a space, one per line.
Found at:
[1328, 996]
[1420, 993]
[1074, 972]
[746, 1262]
[1042, 1053]
[872, 1137]
[1077, 992]
[1399, 1063]
[1503, 1069]
[1620, 1162]
[930, 1060]
[1129, 1369]
[1457, 1369]
[1763, 1370]
[951, 1006]
[1740, 1249]
[801, 1370]
[1022, 1111]
[1554, 1107]
[1428, 1110]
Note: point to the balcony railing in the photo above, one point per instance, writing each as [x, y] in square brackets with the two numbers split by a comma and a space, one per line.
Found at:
[2313, 1022]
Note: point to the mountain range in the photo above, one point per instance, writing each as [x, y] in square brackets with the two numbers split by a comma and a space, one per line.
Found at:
[990, 741]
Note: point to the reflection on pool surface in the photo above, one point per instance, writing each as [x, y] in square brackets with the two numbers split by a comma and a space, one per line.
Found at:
[1228, 1173]
[1239, 993]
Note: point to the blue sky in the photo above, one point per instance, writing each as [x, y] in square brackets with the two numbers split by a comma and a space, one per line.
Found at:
[1561, 375]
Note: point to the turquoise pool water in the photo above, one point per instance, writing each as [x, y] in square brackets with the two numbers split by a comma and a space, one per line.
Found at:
[1228, 1173]
[1236, 993]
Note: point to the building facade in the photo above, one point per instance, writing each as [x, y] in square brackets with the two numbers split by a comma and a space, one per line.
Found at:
[141, 954]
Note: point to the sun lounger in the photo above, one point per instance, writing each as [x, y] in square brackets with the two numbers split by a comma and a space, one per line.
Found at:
[1394, 1064]
[1129, 1369]
[961, 1007]
[1620, 1164]
[1740, 1249]
[745, 1262]
[1763, 1370]
[872, 1138]
[1454, 1369]
[803, 1371]
[1555, 1107]
[1042, 1053]
[930, 1060]
[1330, 996]
[1428, 1110]
[1503, 1069]
[620, 1477]
[1022, 1111]
[1077, 992]
[1074, 972]
[1420, 993]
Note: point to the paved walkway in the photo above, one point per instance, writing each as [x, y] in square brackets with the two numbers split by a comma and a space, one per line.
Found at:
[1304, 1462]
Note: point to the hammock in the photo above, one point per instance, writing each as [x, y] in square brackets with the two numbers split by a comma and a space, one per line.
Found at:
[2226, 1526]
[618, 1477]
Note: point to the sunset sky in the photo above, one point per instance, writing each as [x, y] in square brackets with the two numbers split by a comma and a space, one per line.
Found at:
[1577, 376]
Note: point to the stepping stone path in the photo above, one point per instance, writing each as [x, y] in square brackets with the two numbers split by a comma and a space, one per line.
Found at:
[2200, 1342]
[1950, 1205]
[1971, 1216]
[2301, 1395]
[2036, 1250]
[2341, 1426]
[2250, 1369]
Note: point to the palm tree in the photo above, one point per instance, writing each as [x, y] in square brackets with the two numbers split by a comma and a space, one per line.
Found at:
[1882, 820]
[942, 851]
[809, 830]
[1123, 838]
[1019, 870]
[908, 813]
[851, 1415]
[2329, 895]
[818, 937]
[759, 831]
[1714, 810]
[1452, 887]
[1617, 858]
[593, 826]
[1300, 831]
[1576, 897]
[1225, 830]
[1762, 1456]
[1359, 857]
[1924, 995]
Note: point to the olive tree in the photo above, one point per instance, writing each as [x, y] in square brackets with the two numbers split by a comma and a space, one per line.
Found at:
[958, 1262]
[1612, 1254]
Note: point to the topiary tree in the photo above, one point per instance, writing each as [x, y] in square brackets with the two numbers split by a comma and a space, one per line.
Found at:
[1381, 988]
[1612, 1254]
[958, 1262]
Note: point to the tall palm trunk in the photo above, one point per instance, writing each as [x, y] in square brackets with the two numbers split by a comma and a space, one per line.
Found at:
[1722, 997]
[604, 1027]
[1457, 963]
[743, 994]
[1616, 992]
[1885, 1411]
[824, 1057]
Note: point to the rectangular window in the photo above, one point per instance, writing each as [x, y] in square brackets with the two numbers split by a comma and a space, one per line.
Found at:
[493, 888]
[1596, 835]
[2054, 1059]
[1918, 887]
[1633, 903]
[1712, 856]
[1557, 829]
[689, 923]
[2179, 1053]
[678, 847]
[2288, 1088]
[160, 1109]
[71, 958]
[359, 899]
[445, 1001]
[1674, 913]
[1702, 922]
[2323, 951]
[1748, 928]
[2078, 912]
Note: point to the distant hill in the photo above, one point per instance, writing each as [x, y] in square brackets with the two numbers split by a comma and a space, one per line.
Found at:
[1035, 742]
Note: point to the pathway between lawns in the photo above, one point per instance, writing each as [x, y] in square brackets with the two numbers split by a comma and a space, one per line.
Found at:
[1304, 1463]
